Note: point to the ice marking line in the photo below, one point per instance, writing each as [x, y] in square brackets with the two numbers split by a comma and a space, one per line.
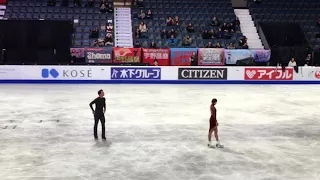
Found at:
[137, 147]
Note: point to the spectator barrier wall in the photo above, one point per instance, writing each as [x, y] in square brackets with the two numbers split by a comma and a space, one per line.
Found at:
[173, 56]
[159, 75]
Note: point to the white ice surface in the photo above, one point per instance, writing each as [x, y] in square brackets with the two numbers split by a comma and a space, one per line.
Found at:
[159, 132]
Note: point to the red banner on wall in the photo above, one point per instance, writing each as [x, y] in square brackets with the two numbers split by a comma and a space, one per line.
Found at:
[3, 1]
[161, 55]
[268, 74]
[127, 55]
[78, 52]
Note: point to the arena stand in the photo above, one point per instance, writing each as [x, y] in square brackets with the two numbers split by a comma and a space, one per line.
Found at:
[198, 13]
[303, 13]
[306, 13]
[88, 17]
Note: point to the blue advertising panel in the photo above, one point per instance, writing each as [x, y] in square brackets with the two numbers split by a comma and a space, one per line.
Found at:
[135, 73]
[181, 56]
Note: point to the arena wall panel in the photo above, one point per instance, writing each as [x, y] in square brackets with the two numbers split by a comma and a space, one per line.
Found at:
[159, 75]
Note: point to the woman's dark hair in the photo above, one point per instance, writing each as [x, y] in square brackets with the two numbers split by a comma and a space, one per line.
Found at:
[214, 100]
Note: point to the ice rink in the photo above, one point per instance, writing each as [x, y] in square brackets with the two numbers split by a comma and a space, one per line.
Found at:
[159, 132]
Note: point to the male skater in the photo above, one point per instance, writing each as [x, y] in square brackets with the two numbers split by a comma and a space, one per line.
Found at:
[100, 103]
[214, 125]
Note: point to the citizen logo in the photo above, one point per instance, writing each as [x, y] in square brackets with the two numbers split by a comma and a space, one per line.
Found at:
[203, 73]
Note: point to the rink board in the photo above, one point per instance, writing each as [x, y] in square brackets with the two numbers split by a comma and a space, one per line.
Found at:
[150, 82]
[158, 75]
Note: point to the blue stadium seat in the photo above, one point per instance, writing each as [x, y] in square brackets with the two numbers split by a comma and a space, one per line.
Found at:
[304, 13]
[77, 43]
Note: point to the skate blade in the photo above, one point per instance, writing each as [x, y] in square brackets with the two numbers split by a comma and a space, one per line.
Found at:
[220, 146]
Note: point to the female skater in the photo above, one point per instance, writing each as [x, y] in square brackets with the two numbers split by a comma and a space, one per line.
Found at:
[213, 125]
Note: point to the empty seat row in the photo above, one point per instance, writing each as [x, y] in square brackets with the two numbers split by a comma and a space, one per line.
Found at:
[165, 44]
[55, 10]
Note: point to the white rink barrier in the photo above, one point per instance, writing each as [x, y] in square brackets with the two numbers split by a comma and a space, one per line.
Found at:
[159, 75]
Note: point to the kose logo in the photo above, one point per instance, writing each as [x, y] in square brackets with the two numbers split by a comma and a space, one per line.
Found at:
[203, 73]
[46, 73]
[317, 74]
[77, 73]
[92, 55]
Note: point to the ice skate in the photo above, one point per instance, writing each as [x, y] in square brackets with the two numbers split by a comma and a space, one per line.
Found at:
[218, 145]
[210, 145]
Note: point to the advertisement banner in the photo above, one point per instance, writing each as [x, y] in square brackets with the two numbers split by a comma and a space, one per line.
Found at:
[308, 73]
[11, 72]
[232, 56]
[203, 73]
[268, 74]
[152, 55]
[78, 52]
[262, 55]
[211, 56]
[135, 73]
[72, 73]
[127, 55]
[99, 55]
[181, 56]
[54, 73]
[317, 74]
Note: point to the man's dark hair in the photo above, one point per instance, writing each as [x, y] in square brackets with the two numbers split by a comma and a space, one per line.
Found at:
[214, 100]
[100, 91]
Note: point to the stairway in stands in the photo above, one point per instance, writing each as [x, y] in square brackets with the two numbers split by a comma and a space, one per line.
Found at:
[248, 29]
[123, 27]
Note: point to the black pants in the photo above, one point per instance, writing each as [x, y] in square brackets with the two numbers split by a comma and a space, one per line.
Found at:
[98, 117]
